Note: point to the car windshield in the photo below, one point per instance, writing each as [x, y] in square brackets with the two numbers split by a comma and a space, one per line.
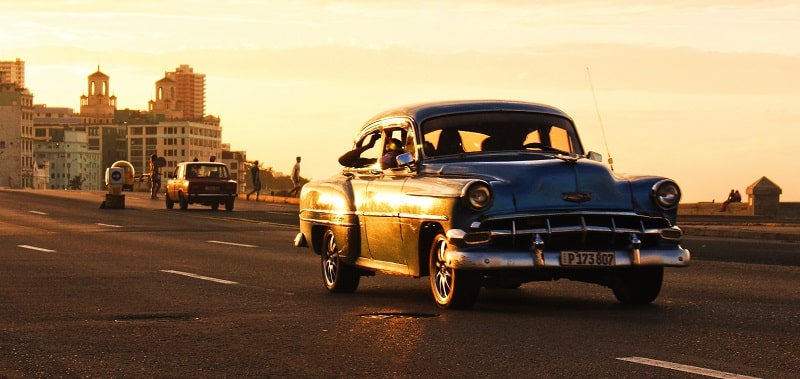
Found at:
[200, 170]
[499, 131]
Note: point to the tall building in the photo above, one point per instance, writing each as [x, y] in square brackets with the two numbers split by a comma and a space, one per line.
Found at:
[13, 72]
[98, 106]
[180, 95]
[16, 136]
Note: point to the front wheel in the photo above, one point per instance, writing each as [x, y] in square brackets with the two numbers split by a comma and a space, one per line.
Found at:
[168, 202]
[454, 289]
[640, 285]
[338, 276]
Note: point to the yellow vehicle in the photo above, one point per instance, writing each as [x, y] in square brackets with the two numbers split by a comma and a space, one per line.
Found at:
[127, 179]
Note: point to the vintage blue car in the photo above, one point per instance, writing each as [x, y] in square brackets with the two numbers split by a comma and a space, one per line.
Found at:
[488, 194]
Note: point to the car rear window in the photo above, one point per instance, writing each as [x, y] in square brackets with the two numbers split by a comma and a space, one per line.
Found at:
[207, 171]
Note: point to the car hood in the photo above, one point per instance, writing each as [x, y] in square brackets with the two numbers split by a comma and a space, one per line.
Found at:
[548, 184]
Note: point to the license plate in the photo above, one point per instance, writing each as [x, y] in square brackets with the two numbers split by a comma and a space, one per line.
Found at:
[586, 258]
[212, 188]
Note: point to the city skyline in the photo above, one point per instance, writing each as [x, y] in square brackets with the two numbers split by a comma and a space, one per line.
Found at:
[704, 92]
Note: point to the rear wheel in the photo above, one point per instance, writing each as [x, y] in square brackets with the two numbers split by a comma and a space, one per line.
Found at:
[214, 206]
[229, 204]
[337, 275]
[451, 288]
[183, 201]
[639, 285]
[168, 202]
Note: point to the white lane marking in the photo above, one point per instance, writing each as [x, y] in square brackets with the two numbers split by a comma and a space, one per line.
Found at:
[36, 248]
[108, 225]
[231, 243]
[686, 368]
[37, 212]
[201, 277]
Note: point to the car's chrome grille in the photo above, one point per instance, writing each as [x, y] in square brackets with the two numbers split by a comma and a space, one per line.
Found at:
[575, 230]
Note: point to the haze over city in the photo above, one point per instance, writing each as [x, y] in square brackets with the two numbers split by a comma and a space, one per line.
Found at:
[705, 92]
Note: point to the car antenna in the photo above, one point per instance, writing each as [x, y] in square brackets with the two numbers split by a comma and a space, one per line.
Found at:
[602, 128]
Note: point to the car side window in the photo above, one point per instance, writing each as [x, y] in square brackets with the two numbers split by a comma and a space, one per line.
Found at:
[366, 153]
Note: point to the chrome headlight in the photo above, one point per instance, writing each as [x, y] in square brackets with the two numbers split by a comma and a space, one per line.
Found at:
[478, 195]
[666, 194]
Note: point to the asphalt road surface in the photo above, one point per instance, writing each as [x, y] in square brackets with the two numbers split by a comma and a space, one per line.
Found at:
[149, 292]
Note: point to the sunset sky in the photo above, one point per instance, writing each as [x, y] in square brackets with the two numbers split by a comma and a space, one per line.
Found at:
[706, 92]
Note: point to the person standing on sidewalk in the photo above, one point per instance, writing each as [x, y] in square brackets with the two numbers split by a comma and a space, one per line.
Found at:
[255, 174]
[155, 176]
[295, 191]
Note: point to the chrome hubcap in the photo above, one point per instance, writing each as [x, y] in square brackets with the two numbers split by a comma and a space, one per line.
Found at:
[443, 280]
[329, 264]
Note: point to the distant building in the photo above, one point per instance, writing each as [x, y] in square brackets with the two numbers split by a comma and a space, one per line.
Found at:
[41, 175]
[174, 127]
[235, 161]
[180, 95]
[98, 106]
[16, 136]
[176, 141]
[49, 122]
[60, 116]
[166, 105]
[70, 158]
[13, 72]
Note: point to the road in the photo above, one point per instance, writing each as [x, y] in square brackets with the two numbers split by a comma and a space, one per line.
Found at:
[146, 292]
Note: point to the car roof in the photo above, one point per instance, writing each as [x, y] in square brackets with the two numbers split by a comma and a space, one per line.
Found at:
[202, 164]
[422, 111]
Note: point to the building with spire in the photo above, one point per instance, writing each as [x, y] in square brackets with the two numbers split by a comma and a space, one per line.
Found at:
[98, 106]
[180, 95]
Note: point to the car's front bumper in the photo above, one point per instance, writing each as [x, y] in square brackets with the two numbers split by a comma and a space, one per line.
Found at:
[538, 241]
[499, 260]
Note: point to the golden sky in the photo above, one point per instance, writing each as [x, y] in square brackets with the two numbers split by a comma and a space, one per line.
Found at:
[705, 92]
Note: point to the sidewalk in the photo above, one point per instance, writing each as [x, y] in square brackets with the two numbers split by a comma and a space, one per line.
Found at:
[741, 228]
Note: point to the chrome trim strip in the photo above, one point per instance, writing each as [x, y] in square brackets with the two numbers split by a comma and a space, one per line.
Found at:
[327, 222]
[334, 212]
[581, 213]
[423, 216]
[344, 214]
[568, 229]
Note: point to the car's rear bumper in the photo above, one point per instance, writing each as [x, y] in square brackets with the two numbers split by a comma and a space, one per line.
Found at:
[212, 195]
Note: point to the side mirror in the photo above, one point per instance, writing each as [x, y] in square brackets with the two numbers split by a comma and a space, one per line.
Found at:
[597, 157]
[405, 159]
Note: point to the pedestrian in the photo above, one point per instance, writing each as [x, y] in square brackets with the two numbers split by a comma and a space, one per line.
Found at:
[733, 197]
[155, 176]
[255, 174]
[295, 191]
